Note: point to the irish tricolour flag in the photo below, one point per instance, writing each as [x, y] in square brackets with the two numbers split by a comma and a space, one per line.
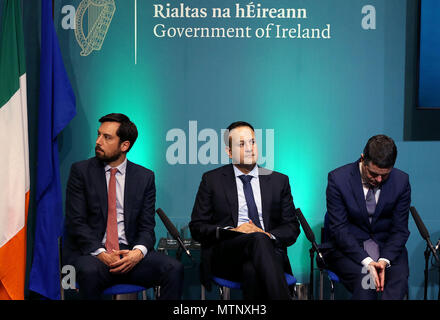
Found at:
[14, 163]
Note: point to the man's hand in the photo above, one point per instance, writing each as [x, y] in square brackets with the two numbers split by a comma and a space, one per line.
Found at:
[377, 270]
[108, 257]
[249, 227]
[130, 258]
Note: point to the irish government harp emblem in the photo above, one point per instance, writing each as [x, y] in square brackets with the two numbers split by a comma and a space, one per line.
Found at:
[94, 16]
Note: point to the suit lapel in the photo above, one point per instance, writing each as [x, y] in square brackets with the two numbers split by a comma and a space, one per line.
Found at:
[358, 191]
[384, 192]
[129, 191]
[230, 188]
[264, 178]
[98, 173]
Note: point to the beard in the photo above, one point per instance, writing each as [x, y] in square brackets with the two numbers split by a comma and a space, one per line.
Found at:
[107, 158]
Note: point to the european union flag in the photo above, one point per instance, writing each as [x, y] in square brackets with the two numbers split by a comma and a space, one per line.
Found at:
[56, 110]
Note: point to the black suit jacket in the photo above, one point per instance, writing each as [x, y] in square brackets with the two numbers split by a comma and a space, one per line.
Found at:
[216, 206]
[86, 207]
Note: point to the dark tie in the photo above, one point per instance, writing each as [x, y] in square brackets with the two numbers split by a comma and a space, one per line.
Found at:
[112, 242]
[250, 201]
[369, 245]
[371, 203]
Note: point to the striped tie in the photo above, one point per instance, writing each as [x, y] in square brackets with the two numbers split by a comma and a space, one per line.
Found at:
[112, 242]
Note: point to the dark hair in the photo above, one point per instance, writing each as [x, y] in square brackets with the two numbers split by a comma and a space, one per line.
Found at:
[381, 150]
[232, 126]
[127, 130]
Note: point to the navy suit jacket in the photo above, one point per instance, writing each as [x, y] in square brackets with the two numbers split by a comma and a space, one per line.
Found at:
[216, 206]
[86, 207]
[348, 217]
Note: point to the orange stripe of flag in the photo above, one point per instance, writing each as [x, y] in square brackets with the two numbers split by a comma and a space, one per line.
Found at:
[13, 264]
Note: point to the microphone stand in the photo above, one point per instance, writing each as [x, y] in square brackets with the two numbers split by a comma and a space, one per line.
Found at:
[438, 266]
[179, 252]
[312, 256]
[427, 254]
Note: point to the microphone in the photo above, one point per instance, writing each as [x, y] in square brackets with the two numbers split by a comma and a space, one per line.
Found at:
[309, 233]
[172, 230]
[423, 231]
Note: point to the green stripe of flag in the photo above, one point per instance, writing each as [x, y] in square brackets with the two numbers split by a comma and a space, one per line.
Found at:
[12, 56]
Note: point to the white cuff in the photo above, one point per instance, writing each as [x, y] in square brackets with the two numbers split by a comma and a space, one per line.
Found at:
[98, 251]
[386, 260]
[366, 262]
[143, 249]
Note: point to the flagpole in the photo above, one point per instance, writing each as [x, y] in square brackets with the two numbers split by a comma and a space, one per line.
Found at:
[135, 31]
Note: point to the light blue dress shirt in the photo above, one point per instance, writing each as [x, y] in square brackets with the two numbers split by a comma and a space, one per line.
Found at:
[242, 205]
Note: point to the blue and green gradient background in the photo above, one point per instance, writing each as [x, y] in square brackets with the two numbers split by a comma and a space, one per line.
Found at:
[323, 98]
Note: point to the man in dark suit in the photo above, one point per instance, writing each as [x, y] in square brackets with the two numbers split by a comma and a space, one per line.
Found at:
[109, 230]
[255, 203]
[367, 205]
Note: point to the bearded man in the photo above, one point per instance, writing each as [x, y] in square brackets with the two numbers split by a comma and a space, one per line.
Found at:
[109, 225]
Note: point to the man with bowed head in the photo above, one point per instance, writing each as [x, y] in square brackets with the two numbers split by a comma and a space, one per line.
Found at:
[367, 207]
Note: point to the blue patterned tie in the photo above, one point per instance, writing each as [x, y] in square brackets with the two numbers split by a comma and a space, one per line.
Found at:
[250, 201]
[369, 245]
[371, 203]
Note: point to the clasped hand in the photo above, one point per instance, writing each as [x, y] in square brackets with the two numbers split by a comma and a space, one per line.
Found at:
[121, 261]
[249, 227]
[377, 270]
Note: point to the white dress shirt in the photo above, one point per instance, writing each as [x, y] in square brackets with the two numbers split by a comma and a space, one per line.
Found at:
[368, 260]
[120, 188]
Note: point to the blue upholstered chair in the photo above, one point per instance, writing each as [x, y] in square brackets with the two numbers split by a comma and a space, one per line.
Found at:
[119, 289]
[332, 277]
[225, 286]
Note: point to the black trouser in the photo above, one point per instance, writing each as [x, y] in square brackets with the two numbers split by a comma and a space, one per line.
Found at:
[253, 260]
[155, 269]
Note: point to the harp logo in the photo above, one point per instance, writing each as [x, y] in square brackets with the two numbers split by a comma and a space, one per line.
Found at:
[91, 21]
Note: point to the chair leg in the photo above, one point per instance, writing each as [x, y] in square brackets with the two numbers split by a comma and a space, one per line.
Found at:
[226, 293]
[125, 296]
[332, 290]
[292, 291]
[202, 292]
[321, 285]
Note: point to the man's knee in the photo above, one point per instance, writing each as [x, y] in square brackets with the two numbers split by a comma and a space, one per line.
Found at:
[261, 241]
[260, 245]
[175, 268]
[88, 267]
[260, 237]
[168, 267]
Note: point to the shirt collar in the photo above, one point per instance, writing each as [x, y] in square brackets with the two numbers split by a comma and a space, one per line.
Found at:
[121, 168]
[253, 173]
